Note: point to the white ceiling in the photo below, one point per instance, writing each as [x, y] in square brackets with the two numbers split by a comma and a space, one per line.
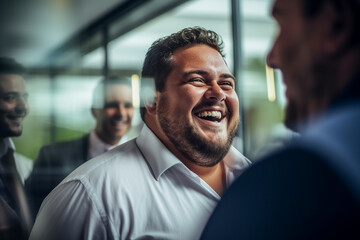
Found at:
[128, 51]
[31, 29]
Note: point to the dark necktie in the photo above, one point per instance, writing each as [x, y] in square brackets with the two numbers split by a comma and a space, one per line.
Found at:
[15, 190]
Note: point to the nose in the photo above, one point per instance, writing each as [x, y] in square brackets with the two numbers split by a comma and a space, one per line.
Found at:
[215, 93]
[121, 109]
[272, 57]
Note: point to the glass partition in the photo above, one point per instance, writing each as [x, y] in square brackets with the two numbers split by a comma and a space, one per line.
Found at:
[60, 99]
[262, 89]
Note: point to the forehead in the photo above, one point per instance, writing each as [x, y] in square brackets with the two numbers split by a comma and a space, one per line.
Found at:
[200, 55]
[11, 82]
[118, 92]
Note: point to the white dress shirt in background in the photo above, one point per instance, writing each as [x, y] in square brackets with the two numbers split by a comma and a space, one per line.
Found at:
[23, 164]
[97, 146]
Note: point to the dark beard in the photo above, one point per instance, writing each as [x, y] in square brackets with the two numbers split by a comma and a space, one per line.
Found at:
[291, 117]
[295, 116]
[6, 132]
[211, 154]
[187, 141]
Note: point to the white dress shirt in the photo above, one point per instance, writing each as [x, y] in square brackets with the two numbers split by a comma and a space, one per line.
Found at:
[138, 190]
[23, 164]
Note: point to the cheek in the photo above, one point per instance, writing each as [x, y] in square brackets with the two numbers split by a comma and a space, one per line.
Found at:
[6, 106]
[130, 113]
[285, 46]
[191, 92]
[287, 54]
[108, 113]
[233, 103]
[27, 109]
[183, 100]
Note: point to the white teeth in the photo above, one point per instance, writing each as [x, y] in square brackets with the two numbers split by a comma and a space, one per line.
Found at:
[214, 114]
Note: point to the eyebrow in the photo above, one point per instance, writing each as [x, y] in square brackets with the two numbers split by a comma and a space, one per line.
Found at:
[15, 93]
[204, 73]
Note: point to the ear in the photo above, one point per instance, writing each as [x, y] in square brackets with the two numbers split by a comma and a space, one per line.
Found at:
[339, 27]
[94, 112]
[151, 107]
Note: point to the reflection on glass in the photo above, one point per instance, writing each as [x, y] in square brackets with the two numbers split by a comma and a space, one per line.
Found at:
[60, 104]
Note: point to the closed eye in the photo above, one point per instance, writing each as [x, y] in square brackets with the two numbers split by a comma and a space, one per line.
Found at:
[128, 105]
[197, 81]
[226, 85]
[9, 97]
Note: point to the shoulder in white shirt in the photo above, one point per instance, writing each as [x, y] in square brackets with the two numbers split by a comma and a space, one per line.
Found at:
[136, 190]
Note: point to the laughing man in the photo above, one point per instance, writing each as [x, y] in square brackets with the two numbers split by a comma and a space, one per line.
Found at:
[165, 183]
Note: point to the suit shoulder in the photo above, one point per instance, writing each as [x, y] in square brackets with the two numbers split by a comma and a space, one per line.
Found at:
[119, 161]
[73, 143]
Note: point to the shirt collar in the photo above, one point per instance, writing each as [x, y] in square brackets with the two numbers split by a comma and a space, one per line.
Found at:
[161, 159]
[234, 160]
[156, 154]
[5, 144]
[97, 146]
[235, 164]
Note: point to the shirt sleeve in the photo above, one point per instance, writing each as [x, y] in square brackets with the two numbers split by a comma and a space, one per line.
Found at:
[69, 212]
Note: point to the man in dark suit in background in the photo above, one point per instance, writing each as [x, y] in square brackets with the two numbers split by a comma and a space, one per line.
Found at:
[112, 109]
[15, 218]
[311, 188]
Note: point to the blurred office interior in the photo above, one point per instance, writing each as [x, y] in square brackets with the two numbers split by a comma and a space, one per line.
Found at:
[69, 45]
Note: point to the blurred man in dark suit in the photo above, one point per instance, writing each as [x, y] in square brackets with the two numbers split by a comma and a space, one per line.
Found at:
[311, 188]
[15, 218]
[112, 109]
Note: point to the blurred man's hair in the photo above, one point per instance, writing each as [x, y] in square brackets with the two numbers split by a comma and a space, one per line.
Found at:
[10, 66]
[158, 61]
[312, 7]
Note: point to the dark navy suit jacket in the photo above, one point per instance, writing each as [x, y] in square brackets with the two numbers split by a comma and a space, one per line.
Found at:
[307, 190]
[53, 164]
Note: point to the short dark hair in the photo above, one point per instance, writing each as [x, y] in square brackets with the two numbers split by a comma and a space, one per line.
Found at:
[98, 99]
[10, 66]
[312, 7]
[158, 61]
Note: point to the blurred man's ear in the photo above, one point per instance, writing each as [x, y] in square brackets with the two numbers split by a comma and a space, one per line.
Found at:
[339, 27]
[94, 112]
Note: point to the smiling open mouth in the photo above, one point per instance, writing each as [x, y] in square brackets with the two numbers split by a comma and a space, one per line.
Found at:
[210, 115]
[119, 123]
[15, 118]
